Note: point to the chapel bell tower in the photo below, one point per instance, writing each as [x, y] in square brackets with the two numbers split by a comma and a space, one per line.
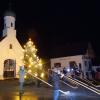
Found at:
[9, 23]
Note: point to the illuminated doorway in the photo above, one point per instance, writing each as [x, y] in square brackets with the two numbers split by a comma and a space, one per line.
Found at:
[9, 68]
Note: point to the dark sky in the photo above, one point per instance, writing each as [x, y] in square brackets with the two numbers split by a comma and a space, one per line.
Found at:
[51, 23]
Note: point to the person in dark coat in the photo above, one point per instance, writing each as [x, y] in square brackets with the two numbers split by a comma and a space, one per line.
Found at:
[64, 71]
[56, 75]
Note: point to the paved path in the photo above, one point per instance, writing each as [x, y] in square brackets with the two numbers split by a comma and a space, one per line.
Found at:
[9, 90]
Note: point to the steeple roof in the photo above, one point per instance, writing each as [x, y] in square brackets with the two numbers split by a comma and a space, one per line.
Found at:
[9, 13]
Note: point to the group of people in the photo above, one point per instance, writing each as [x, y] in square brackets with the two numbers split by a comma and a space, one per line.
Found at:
[72, 72]
[54, 78]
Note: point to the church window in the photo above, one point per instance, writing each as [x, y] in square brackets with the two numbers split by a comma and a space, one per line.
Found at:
[86, 63]
[11, 24]
[73, 65]
[57, 65]
[10, 46]
[80, 67]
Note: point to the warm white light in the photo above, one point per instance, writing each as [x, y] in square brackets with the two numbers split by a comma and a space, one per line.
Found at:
[36, 74]
[23, 50]
[25, 76]
[29, 66]
[29, 45]
[29, 71]
[40, 61]
[31, 63]
[37, 58]
[36, 66]
[42, 75]
[26, 55]
[40, 64]
[29, 39]
[33, 49]
[24, 62]
[30, 59]
[21, 58]
[24, 46]
[34, 55]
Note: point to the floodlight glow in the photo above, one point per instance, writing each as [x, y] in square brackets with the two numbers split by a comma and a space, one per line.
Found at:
[71, 69]
[68, 70]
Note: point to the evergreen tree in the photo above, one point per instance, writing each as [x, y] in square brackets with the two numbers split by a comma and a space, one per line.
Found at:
[32, 62]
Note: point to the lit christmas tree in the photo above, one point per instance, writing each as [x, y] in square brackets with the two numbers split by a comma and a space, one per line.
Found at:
[32, 62]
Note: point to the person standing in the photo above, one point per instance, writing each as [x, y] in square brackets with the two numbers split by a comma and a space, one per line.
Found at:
[64, 71]
[56, 75]
[21, 78]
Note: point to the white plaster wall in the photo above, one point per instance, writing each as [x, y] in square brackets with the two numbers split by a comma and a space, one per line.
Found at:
[16, 53]
[8, 20]
[5, 53]
[65, 60]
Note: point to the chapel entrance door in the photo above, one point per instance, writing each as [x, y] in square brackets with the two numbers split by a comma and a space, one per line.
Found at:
[9, 68]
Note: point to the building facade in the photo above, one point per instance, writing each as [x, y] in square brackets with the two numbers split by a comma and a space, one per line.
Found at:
[80, 63]
[11, 51]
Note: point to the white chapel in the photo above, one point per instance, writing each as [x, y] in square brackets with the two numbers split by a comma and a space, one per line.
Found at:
[11, 51]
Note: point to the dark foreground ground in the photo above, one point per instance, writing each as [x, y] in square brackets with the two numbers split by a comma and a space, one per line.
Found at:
[9, 90]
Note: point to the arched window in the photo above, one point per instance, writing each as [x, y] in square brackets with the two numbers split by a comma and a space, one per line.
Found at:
[10, 46]
[9, 68]
[57, 65]
[11, 24]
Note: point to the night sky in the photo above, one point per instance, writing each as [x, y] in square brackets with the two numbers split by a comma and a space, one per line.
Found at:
[52, 23]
